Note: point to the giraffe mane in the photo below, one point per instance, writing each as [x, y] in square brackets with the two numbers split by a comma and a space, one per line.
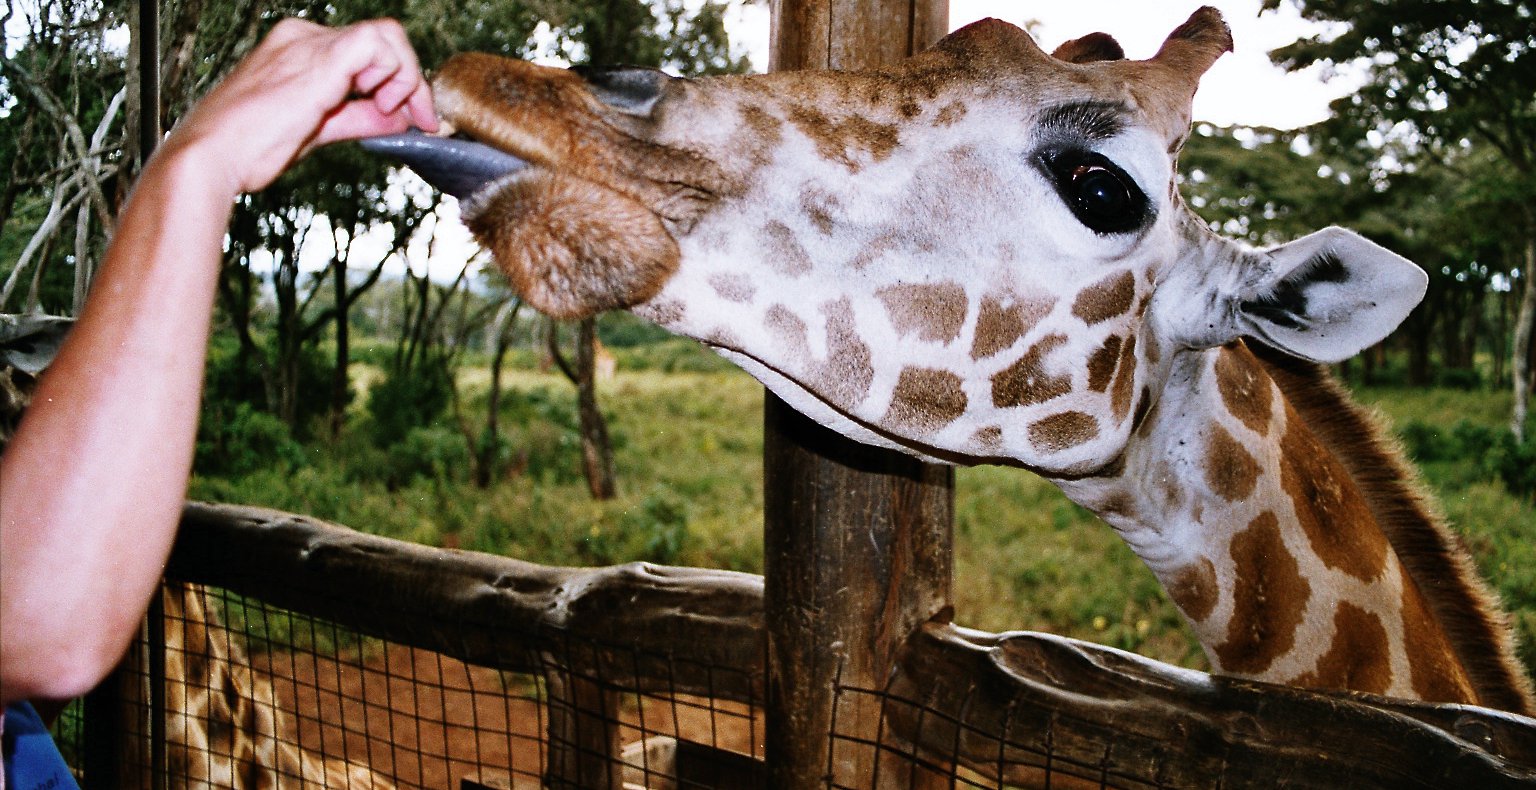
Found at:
[1431, 554]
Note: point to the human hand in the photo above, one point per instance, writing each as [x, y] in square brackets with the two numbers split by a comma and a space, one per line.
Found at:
[303, 86]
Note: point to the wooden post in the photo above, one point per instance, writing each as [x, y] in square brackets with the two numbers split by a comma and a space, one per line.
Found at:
[857, 539]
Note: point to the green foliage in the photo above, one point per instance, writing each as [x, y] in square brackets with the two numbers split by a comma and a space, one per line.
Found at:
[656, 531]
[1471, 452]
[244, 441]
[674, 355]
[1515, 462]
[626, 330]
[406, 399]
[432, 453]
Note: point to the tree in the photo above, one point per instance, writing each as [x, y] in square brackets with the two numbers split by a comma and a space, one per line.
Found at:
[630, 32]
[1438, 75]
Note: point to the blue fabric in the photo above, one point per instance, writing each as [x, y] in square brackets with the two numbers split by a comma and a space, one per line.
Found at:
[32, 760]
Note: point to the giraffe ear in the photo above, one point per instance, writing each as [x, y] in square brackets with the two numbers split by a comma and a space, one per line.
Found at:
[1330, 295]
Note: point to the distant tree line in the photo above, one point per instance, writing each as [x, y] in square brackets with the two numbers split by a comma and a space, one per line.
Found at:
[69, 96]
[1433, 157]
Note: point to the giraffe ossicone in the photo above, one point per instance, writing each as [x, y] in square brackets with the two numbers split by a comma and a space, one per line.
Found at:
[980, 255]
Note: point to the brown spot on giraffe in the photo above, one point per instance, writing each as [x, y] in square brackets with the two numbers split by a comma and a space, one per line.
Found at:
[845, 376]
[1106, 299]
[733, 287]
[722, 337]
[788, 255]
[877, 248]
[664, 311]
[1119, 504]
[925, 400]
[1435, 673]
[1268, 602]
[1063, 431]
[1026, 382]
[787, 330]
[845, 140]
[1329, 506]
[1194, 589]
[1230, 470]
[1154, 352]
[1143, 408]
[762, 134]
[950, 114]
[987, 440]
[1125, 380]
[1244, 388]
[820, 207]
[933, 311]
[999, 325]
[1359, 658]
[1102, 362]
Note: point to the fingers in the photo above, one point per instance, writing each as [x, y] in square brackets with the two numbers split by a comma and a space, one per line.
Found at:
[383, 67]
[303, 86]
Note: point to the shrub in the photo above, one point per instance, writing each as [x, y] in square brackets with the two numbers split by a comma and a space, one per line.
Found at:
[1514, 462]
[405, 399]
[431, 452]
[244, 441]
[655, 532]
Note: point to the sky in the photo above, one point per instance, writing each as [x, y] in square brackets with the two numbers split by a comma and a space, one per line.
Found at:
[1242, 88]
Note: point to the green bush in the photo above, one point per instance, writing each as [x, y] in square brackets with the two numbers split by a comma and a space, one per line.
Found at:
[431, 452]
[673, 355]
[404, 400]
[1514, 462]
[1459, 378]
[1484, 451]
[657, 531]
[244, 441]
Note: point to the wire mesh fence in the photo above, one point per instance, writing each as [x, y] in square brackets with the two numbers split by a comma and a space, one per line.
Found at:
[260, 696]
[292, 653]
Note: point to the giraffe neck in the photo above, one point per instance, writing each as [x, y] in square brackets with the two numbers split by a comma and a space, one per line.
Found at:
[1286, 550]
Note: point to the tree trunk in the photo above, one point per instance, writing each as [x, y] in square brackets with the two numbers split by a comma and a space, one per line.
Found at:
[856, 538]
[1520, 355]
[489, 446]
[596, 450]
[339, 380]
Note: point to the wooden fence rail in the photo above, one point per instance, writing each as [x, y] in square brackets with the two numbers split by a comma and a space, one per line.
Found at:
[1007, 707]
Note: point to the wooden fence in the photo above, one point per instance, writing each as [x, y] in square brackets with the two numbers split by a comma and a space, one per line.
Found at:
[957, 707]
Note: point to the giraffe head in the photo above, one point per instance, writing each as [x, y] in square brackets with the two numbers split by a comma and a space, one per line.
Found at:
[978, 254]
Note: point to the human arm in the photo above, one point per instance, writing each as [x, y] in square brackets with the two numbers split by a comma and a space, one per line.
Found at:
[92, 484]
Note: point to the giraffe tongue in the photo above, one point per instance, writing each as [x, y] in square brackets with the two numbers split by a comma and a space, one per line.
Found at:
[458, 167]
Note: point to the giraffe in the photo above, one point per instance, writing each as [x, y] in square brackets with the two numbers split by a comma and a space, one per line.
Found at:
[224, 726]
[980, 255]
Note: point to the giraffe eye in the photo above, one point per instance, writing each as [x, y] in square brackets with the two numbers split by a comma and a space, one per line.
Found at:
[1101, 195]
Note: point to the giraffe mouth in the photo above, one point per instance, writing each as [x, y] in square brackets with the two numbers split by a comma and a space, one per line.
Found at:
[546, 184]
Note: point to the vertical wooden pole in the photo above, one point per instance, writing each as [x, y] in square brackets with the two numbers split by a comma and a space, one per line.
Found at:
[149, 138]
[108, 712]
[857, 539]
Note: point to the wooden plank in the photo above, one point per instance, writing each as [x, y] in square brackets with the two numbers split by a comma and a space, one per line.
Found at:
[857, 539]
[1013, 707]
[635, 624]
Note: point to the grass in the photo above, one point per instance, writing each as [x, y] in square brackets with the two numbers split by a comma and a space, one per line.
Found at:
[688, 455]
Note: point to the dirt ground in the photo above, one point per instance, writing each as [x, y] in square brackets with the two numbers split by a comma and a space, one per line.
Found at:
[431, 721]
